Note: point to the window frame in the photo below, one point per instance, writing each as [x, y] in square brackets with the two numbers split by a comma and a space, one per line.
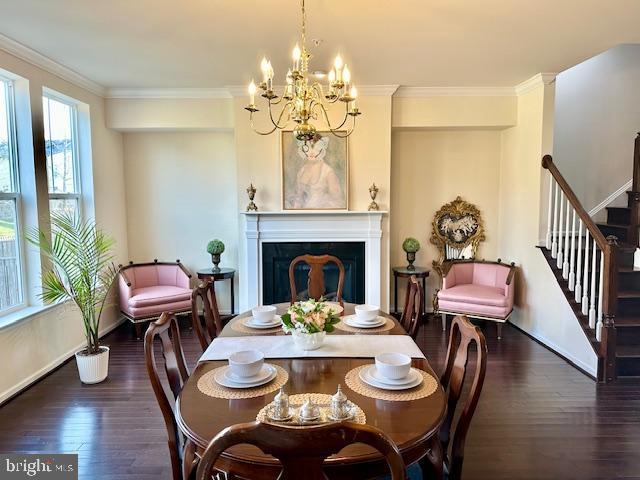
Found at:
[15, 194]
[75, 145]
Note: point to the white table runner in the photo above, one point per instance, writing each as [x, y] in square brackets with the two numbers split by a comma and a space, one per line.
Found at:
[345, 346]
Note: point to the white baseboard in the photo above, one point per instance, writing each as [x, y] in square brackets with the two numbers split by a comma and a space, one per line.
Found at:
[556, 348]
[52, 365]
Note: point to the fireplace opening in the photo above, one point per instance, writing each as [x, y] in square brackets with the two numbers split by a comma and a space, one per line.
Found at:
[276, 258]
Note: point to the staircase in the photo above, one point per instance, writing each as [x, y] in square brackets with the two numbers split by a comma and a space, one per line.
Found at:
[593, 263]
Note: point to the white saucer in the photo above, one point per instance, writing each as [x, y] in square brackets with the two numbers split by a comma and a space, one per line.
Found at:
[251, 323]
[353, 321]
[411, 377]
[225, 378]
[367, 376]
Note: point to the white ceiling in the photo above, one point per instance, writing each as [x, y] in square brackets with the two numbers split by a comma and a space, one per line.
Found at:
[213, 43]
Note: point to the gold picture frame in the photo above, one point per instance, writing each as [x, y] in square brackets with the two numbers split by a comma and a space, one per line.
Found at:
[305, 186]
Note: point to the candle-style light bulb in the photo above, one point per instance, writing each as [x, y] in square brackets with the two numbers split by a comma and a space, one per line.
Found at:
[346, 76]
[264, 65]
[252, 92]
[289, 77]
[354, 94]
[297, 53]
[338, 62]
[332, 76]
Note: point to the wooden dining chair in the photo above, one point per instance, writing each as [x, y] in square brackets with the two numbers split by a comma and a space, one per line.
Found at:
[463, 333]
[182, 452]
[301, 450]
[413, 306]
[315, 280]
[209, 326]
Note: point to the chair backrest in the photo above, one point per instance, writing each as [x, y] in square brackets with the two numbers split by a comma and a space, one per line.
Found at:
[140, 275]
[315, 282]
[413, 307]
[166, 329]
[301, 450]
[212, 323]
[463, 333]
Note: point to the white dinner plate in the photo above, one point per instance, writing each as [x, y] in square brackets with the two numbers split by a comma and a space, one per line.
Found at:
[367, 377]
[353, 321]
[411, 377]
[252, 323]
[225, 378]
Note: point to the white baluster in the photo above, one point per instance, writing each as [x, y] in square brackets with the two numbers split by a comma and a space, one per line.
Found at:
[600, 295]
[560, 236]
[567, 232]
[554, 243]
[578, 295]
[592, 303]
[572, 263]
[585, 278]
[549, 211]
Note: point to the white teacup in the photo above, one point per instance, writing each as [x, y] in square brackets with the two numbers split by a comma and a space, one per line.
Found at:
[263, 313]
[246, 363]
[367, 313]
[393, 366]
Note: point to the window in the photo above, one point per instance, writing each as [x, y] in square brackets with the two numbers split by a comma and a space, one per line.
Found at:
[61, 145]
[11, 284]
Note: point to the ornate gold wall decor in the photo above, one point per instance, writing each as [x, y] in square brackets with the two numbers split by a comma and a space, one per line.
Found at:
[457, 230]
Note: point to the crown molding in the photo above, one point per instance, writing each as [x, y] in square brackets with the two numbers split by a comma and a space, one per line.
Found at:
[537, 80]
[45, 63]
[157, 93]
[455, 92]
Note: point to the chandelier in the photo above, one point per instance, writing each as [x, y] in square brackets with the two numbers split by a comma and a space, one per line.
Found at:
[304, 100]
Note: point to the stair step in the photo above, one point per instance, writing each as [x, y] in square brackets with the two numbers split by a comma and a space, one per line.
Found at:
[625, 322]
[628, 351]
[619, 215]
[629, 294]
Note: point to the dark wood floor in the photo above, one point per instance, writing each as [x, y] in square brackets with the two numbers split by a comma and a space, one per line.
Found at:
[538, 417]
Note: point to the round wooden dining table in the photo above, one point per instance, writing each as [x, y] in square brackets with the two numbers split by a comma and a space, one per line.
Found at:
[412, 425]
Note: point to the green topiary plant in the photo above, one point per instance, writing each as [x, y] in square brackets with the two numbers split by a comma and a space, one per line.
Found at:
[410, 245]
[215, 247]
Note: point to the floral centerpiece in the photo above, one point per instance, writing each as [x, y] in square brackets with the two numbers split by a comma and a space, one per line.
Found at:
[308, 322]
[411, 246]
[215, 248]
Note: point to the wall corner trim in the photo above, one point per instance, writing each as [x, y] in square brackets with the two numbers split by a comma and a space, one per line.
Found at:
[39, 60]
[535, 81]
[159, 93]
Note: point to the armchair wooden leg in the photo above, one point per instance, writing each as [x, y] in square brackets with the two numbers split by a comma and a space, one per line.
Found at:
[444, 321]
[188, 459]
[499, 330]
[138, 327]
[432, 464]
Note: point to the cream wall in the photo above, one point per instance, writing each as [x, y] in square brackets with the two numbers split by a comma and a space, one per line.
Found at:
[541, 308]
[181, 191]
[597, 120]
[37, 344]
[430, 168]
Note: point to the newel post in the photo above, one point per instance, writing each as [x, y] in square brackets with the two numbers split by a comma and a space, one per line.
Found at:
[607, 357]
[634, 195]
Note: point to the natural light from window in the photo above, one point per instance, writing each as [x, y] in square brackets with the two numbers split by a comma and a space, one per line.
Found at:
[11, 291]
[60, 133]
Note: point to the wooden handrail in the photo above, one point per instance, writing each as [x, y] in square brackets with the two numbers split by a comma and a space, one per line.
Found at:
[636, 165]
[596, 234]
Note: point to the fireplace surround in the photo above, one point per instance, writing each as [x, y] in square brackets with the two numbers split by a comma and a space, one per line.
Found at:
[260, 228]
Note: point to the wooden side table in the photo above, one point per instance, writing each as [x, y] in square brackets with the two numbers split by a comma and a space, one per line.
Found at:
[402, 272]
[222, 274]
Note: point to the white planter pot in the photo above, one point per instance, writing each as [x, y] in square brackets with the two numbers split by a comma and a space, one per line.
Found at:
[308, 341]
[93, 368]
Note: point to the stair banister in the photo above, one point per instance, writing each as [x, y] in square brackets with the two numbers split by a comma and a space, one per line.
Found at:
[601, 288]
[634, 195]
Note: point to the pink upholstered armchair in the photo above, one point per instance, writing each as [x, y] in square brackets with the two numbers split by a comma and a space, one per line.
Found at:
[148, 289]
[477, 289]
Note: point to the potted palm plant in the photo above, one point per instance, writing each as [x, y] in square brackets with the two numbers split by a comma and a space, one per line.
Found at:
[83, 272]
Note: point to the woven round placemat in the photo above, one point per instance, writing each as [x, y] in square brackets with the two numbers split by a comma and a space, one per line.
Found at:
[239, 326]
[208, 385]
[389, 324]
[428, 386]
[321, 399]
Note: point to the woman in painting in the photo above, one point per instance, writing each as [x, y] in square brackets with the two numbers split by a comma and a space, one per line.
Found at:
[317, 186]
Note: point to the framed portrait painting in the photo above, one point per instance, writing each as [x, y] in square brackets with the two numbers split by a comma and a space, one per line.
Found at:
[315, 174]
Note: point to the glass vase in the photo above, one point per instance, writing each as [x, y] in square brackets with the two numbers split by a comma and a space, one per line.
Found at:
[308, 341]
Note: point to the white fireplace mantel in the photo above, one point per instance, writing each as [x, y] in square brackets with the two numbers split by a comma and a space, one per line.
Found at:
[302, 226]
